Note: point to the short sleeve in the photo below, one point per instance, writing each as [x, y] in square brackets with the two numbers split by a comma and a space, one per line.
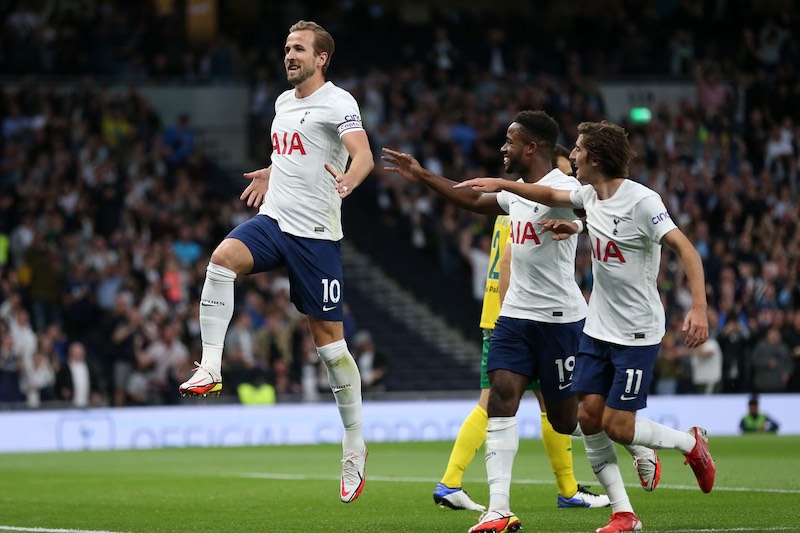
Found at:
[346, 116]
[503, 200]
[577, 196]
[652, 219]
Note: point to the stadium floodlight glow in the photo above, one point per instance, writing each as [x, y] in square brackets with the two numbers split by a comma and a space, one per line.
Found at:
[640, 115]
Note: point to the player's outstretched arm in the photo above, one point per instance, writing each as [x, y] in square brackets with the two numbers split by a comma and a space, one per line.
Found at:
[255, 191]
[361, 164]
[561, 229]
[536, 193]
[408, 167]
[695, 325]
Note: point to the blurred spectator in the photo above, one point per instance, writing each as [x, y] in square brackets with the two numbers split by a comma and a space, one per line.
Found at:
[255, 390]
[10, 364]
[170, 357]
[240, 338]
[772, 363]
[127, 339]
[23, 336]
[791, 335]
[186, 248]
[734, 338]
[668, 368]
[312, 379]
[47, 279]
[475, 251]
[755, 421]
[140, 386]
[179, 139]
[38, 380]
[78, 300]
[75, 382]
[706, 360]
[373, 365]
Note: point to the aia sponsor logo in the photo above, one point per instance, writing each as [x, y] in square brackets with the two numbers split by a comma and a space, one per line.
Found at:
[606, 252]
[286, 144]
[520, 233]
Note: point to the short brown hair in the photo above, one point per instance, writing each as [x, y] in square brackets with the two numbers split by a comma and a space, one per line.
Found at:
[323, 41]
[608, 144]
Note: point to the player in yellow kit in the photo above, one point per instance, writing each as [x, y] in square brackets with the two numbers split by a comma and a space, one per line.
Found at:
[449, 492]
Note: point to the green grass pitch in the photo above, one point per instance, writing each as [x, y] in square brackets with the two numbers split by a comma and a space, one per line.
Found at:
[295, 489]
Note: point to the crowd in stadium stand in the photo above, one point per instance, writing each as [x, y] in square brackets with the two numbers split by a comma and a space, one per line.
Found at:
[108, 216]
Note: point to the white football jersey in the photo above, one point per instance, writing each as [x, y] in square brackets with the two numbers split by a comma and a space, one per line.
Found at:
[306, 134]
[625, 233]
[542, 285]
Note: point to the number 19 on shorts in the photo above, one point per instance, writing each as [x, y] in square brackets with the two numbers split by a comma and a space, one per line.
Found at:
[565, 368]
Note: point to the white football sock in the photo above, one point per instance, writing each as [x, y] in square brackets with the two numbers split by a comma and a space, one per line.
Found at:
[216, 311]
[345, 382]
[602, 455]
[502, 442]
[654, 435]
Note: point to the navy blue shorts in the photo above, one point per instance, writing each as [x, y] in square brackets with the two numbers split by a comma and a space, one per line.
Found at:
[622, 374]
[314, 266]
[539, 350]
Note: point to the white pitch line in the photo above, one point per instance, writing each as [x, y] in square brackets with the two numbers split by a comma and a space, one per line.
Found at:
[50, 530]
[301, 477]
[717, 530]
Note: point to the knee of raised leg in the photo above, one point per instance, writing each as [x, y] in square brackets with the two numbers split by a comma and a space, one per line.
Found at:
[565, 427]
[589, 424]
[220, 258]
[616, 431]
[231, 254]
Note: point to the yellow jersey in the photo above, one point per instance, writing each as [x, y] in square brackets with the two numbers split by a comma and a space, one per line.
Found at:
[491, 295]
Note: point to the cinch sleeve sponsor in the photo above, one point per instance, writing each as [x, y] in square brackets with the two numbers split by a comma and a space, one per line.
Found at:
[652, 218]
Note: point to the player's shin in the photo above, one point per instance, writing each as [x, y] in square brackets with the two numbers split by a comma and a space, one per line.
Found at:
[658, 436]
[602, 455]
[502, 442]
[345, 382]
[216, 311]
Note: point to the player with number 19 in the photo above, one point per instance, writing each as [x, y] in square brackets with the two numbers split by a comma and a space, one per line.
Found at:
[317, 127]
[540, 323]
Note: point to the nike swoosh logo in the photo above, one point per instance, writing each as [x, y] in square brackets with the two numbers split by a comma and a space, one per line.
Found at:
[562, 387]
[326, 308]
[208, 303]
[345, 493]
[627, 398]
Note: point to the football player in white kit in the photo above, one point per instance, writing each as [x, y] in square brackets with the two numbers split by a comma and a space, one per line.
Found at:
[627, 223]
[317, 126]
[537, 333]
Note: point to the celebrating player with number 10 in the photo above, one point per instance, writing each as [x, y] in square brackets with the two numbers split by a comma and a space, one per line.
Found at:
[317, 126]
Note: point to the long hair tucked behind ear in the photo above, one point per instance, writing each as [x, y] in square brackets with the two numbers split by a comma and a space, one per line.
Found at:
[323, 41]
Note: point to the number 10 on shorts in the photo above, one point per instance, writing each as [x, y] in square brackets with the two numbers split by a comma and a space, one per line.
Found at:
[331, 290]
